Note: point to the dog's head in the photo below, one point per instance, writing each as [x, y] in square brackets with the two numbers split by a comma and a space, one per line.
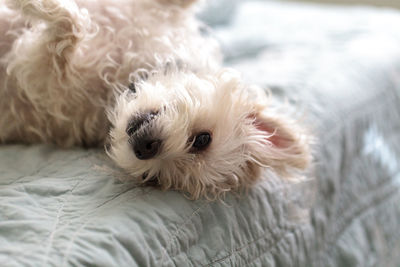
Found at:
[204, 134]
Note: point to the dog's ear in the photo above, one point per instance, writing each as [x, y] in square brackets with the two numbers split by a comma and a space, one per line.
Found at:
[181, 3]
[272, 139]
[278, 142]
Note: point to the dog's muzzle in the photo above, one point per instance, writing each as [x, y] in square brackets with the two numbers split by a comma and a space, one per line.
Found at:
[144, 145]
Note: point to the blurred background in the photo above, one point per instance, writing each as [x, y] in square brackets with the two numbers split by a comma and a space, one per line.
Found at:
[389, 3]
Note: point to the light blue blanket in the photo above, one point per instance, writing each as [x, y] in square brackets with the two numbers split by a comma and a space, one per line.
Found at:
[340, 66]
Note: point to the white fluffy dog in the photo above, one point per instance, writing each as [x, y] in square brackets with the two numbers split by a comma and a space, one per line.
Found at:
[140, 72]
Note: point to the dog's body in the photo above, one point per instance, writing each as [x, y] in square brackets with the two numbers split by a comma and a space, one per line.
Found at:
[66, 65]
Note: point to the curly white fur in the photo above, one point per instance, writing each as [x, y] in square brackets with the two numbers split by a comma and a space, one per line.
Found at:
[65, 67]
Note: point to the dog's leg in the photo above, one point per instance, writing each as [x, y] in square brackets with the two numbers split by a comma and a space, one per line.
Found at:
[48, 10]
[66, 24]
[43, 88]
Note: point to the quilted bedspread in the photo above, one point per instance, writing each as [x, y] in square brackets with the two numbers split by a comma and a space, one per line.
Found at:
[339, 66]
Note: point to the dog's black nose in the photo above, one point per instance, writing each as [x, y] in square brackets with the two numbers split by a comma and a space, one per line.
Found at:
[146, 148]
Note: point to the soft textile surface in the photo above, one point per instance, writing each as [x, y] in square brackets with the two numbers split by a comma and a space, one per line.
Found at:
[341, 67]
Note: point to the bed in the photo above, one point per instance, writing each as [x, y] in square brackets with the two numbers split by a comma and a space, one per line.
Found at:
[338, 65]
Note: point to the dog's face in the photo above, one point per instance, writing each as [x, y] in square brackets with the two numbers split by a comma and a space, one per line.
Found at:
[202, 134]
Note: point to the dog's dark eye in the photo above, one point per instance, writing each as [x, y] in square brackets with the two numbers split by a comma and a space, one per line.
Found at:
[132, 87]
[130, 130]
[201, 141]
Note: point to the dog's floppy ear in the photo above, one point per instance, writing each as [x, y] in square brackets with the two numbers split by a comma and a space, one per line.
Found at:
[278, 142]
